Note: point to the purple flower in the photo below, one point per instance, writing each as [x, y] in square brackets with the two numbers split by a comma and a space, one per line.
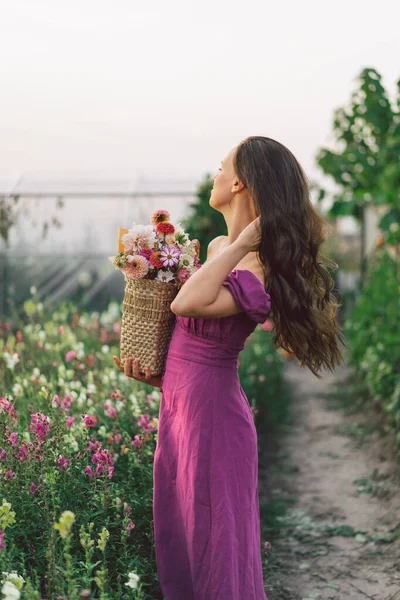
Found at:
[63, 463]
[169, 255]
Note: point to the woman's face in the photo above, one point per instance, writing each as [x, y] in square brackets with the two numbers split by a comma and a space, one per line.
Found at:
[224, 180]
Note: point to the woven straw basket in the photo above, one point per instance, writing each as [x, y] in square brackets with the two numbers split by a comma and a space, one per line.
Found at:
[147, 322]
[147, 319]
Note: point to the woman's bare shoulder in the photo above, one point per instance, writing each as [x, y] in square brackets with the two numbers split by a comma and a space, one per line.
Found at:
[215, 244]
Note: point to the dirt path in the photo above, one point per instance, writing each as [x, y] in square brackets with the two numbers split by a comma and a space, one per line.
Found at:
[330, 498]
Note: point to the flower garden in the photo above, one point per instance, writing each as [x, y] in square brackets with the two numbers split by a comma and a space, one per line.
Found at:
[77, 440]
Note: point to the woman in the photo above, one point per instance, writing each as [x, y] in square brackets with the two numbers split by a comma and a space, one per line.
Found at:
[206, 507]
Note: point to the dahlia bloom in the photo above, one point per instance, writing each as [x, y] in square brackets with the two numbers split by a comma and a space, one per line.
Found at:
[138, 237]
[160, 216]
[137, 267]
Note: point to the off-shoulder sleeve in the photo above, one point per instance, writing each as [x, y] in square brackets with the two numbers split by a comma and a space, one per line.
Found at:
[249, 293]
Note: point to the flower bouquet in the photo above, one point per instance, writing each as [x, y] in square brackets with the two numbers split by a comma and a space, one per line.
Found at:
[156, 260]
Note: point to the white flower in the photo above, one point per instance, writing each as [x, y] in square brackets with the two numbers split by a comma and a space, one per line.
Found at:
[11, 360]
[17, 390]
[36, 372]
[105, 349]
[133, 580]
[9, 591]
[394, 226]
[33, 290]
[139, 237]
[186, 260]
[165, 276]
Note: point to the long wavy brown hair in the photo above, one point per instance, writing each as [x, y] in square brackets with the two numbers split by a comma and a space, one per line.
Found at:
[296, 272]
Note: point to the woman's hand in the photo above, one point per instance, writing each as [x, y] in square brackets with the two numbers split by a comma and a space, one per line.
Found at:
[131, 369]
[250, 237]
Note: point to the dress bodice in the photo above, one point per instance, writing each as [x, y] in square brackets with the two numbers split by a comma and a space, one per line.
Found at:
[224, 337]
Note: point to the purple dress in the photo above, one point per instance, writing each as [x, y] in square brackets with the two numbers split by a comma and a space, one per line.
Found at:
[205, 498]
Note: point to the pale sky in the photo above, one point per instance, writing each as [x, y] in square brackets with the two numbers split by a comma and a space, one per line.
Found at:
[169, 87]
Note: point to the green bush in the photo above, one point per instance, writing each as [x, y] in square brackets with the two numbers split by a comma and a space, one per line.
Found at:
[373, 331]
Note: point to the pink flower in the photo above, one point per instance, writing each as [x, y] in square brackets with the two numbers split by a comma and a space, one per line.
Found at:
[137, 268]
[66, 403]
[116, 326]
[90, 421]
[40, 425]
[169, 255]
[99, 470]
[182, 274]
[69, 422]
[23, 453]
[63, 463]
[136, 441]
[10, 474]
[110, 472]
[61, 329]
[267, 546]
[13, 438]
[33, 488]
[112, 413]
[94, 446]
[56, 400]
[2, 544]
[117, 438]
[146, 252]
[88, 471]
[71, 354]
[3, 454]
[267, 325]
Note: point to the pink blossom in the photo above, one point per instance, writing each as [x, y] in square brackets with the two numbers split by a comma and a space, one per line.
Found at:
[10, 474]
[99, 470]
[56, 400]
[110, 472]
[66, 403]
[127, 509]
[136, 441]
[23, 453]
[93, 446]
[182, 274]
[13, 438]
[112, 413]
[63, 463]
[169, 255]
[143, 420]
[2, 544]
[267, 325]
[131, 525]
[71, 354]
[33, 488]
[117, 438]
[90, 421]
[88, 471]
[40, 425]
[116, 326]
[61, 329]
[69, 422]
[6, 406]
[102, 456]
[267, 546]
[3, 454]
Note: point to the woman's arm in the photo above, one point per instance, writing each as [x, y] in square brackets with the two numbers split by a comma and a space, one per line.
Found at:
[203, 295]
